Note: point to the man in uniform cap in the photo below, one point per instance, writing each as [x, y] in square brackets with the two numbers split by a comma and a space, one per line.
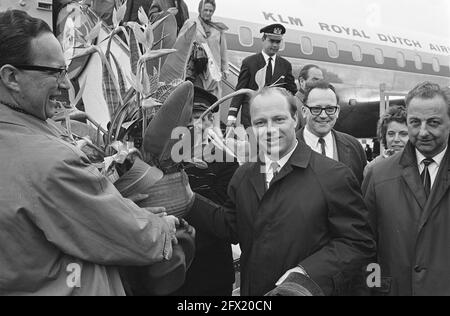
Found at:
[279, 71]
[202, 101]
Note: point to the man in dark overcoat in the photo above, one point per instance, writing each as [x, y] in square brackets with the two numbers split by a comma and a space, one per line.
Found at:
[292, 212]
[408, 197]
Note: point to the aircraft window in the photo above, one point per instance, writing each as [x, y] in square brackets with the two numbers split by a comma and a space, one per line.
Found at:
[306, 45]
[357, 53]
[418, 62]
[245, 36]
[333, 50]
[436, 65]
[379, 56]
[401, 60]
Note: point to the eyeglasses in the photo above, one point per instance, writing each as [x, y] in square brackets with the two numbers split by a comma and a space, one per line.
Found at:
[62, 72]
[317, 110]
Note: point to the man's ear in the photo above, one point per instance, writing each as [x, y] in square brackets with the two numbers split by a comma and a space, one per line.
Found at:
[303, 110]
[302, 83]
[8, 76]
[338, 112]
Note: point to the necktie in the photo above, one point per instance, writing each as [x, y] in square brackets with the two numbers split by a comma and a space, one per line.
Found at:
[274, 166]
[269, 72]
[322, 146]
[426, 177]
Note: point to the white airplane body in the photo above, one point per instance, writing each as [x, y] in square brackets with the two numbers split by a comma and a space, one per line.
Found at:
[355, 53]
[357, 58]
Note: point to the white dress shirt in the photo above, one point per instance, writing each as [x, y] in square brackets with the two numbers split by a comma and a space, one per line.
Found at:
[281, 163]
[434, 167]
[266, 58]
[313, 141]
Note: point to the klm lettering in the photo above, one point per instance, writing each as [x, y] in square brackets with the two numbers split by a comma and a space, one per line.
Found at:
[343, 30]
[278, 18]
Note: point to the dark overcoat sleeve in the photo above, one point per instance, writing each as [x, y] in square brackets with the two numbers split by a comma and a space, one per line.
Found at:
[243, 83]
[219, 221]
[369, 194]
[290, 80]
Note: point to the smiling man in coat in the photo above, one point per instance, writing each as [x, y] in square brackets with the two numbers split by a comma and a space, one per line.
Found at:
[408, 197]
[294, 212]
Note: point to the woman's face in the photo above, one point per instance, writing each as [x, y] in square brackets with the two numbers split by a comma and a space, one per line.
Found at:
[207, 12]
[397, 136]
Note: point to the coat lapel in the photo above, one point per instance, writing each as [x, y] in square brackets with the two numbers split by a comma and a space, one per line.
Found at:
[300, 158]
[411, 175]
[442, 185]
[261, 63]
[258, 180]
[343, 149]
[200, 28]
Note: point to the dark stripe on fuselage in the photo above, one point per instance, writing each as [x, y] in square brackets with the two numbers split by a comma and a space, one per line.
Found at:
[292, 50]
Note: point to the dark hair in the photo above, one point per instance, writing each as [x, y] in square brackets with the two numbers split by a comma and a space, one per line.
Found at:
[17, 30]
[396, 113]
[319, 84]
[203, 2]
[305, 71]
[428, 90]
[289, 97]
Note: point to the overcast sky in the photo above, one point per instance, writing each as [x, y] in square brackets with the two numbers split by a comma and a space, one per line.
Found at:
[423, 16]
[427, 16]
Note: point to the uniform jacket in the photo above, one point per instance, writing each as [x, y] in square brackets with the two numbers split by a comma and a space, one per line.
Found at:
[250, 67]
[313, 215]
[59, 217]
[350, 152]
[413, 233]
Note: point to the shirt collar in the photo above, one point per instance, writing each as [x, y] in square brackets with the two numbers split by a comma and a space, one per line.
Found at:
[437, 159]
[313, 140]
[282, 162]
[266, 57]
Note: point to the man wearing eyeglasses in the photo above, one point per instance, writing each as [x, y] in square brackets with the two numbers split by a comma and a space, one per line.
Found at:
[63, 226]
[321, 111]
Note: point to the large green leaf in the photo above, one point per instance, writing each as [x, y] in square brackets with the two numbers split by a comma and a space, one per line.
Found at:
[120, 76]
[110, 92]
[165, 34]
[175, 65]
[134, 52]
[142, 74]
[176, 112]
[111, 89]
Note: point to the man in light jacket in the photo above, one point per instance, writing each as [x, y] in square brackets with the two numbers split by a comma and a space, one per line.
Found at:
[64, 228]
